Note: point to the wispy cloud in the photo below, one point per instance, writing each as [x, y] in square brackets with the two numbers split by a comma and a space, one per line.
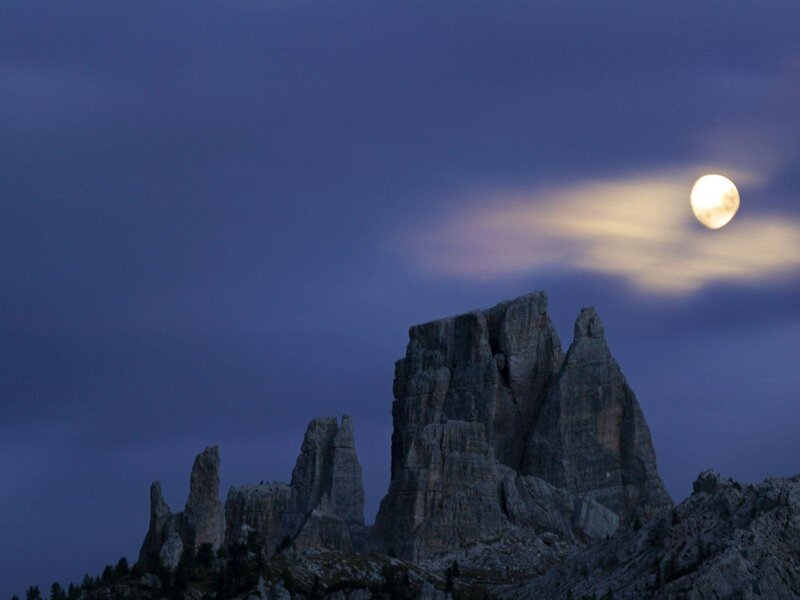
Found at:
[638, 229]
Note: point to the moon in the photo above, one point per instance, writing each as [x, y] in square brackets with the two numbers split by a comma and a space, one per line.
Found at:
[714, 200]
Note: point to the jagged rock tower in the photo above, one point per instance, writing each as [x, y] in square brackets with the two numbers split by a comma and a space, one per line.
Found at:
[591, 436]
[201, 522]
[486, 398]
[322, 508]
[326, 501]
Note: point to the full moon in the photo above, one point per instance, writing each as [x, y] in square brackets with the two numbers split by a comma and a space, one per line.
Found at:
[714, 200]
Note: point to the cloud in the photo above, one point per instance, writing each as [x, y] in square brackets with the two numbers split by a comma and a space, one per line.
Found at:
[639, 229]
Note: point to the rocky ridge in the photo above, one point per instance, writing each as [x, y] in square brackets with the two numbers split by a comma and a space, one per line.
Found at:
[517, 471]
[727, 540]
[322, 508]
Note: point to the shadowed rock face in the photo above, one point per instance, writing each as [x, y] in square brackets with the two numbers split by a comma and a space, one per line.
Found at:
[202, 521]
[203, 516]
[323, 508]
[490, 366]
[160, 517]
[501, 376]
[727, 540]
[591, 437]
[326, 487]
[257, 508]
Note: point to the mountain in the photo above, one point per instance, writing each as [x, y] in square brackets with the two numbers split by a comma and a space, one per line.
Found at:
[517, 471]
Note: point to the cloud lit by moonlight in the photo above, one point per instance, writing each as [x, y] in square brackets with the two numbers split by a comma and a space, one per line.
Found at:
[639, 230]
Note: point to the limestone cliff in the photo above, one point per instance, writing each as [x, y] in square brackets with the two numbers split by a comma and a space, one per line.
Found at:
[489, 392]
[444, 496]
[326, 499]
[591, 436]
[492, 367]
[256, 508]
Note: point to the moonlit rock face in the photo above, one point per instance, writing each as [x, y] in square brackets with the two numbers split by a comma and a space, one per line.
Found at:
[714, 200]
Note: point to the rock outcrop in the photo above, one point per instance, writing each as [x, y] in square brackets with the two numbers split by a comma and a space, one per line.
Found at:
[323, 508]
[201, 522]
[533, 503]
[163, 526]
[494, 426]
[203, 517]
[727, 540]
[594, 520]
[326, 499]
[591, 437]
[256, 508]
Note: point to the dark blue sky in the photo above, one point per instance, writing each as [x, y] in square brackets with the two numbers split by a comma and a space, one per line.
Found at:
[218, 222]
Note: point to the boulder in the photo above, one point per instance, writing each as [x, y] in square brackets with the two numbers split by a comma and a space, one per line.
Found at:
[594, 520]
[534, 503]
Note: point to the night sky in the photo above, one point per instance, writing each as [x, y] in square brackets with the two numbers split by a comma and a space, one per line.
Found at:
[218, 220]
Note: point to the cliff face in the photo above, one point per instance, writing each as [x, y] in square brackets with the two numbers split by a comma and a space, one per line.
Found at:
[492, 367]
[163, 526]
[727, 540]
[203, 518]
[591, 437]
[444, 496]
[499, 380]
[326, 502]
[256, 508]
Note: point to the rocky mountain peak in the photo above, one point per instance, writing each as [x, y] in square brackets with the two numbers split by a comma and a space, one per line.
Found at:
[710, 482]
[326, 502]
[204, 480]
[588, 325]
[322, 508]
[571, 421]
[591, 436]
[203, 517]
[159, 509]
